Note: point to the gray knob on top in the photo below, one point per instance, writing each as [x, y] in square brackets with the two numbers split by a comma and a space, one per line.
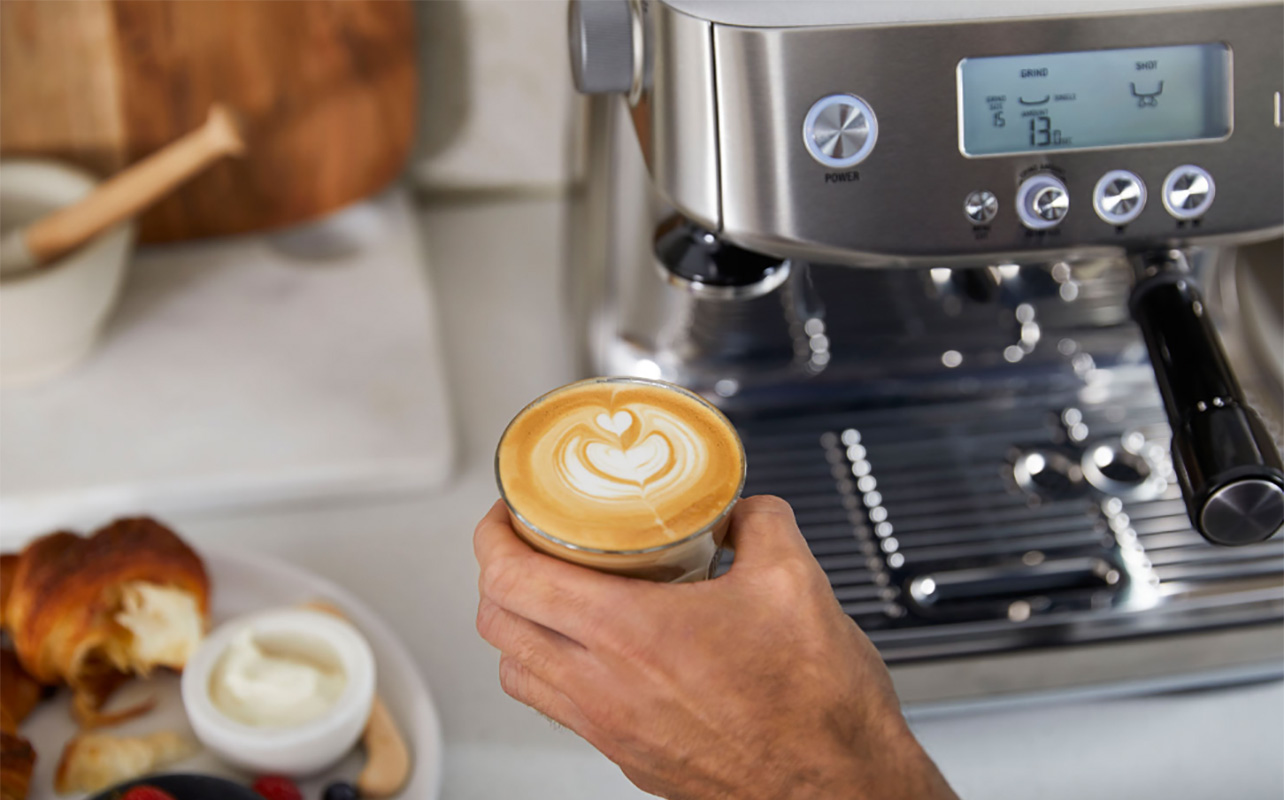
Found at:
[601, 40]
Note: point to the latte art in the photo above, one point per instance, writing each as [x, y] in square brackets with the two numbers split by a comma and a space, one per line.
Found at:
[616, 458]
[620, 465]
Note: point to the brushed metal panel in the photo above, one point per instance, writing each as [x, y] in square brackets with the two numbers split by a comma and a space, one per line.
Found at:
[782, 13]
[1177, 660]
[906, 205]
[675, 115]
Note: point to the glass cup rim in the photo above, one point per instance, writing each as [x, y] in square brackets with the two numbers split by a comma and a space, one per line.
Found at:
[659, 384]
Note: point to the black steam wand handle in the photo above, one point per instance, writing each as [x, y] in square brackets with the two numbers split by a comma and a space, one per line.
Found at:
[1229, 468]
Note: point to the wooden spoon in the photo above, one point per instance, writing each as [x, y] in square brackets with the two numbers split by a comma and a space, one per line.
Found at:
[123, 195]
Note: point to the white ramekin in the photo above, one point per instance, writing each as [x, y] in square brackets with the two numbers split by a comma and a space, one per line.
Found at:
[53, 316]
[296, 751]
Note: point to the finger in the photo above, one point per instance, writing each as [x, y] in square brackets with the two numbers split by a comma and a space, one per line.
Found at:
[496, 515]
[548, 654]
[763, 531]
[484, 550]
[575, 601]
[523, 685]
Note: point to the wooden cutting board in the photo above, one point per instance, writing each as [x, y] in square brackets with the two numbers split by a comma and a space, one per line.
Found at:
[327, 89]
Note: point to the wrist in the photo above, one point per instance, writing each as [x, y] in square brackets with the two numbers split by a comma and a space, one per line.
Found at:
[895, 768]
[913, 775]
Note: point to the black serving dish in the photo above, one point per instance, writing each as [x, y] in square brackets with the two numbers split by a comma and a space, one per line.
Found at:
[186, 787]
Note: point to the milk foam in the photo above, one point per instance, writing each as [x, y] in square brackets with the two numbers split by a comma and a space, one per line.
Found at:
[620, 464]
[601, 461]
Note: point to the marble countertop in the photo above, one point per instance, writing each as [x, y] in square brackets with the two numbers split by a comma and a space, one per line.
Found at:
[410, 558]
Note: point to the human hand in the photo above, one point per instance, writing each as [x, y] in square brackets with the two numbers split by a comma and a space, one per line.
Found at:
[751, 685]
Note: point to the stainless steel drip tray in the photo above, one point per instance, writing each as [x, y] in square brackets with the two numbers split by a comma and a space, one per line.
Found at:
[1138, 665]
[1042, 530]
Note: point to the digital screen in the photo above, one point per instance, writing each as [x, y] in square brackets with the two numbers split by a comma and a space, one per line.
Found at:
[1100, 98]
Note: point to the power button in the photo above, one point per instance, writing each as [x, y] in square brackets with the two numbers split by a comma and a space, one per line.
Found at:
[840, 130]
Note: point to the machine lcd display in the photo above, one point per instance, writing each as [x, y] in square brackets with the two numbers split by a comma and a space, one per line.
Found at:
[1099, 98]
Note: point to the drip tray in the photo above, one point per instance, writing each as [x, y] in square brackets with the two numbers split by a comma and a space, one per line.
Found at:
[1005, 524]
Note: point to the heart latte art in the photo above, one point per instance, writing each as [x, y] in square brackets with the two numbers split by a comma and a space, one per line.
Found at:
[620, 465]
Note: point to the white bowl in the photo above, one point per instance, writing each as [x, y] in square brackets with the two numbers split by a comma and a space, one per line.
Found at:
[52, 317]
[297, 751]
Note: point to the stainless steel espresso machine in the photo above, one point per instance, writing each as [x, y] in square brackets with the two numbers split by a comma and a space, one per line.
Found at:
[956, 271]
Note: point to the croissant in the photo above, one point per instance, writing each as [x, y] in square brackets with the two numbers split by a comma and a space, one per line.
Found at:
[17, 761]
[19, 692]
[91, 611]
[94, 761]
[8, 563]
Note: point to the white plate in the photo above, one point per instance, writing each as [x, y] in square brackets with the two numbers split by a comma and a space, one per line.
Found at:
[242, 583]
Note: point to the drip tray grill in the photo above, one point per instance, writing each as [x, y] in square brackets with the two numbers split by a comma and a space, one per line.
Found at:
[1006, 523]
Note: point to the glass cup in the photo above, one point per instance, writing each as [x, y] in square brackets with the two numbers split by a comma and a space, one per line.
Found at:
[693, 557]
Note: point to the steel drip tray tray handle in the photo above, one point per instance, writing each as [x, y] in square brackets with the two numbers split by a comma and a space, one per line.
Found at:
[1015, 591]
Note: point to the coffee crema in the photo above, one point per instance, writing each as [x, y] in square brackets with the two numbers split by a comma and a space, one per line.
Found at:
[620, 465]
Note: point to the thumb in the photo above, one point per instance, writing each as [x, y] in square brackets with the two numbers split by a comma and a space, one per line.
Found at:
[763, 531]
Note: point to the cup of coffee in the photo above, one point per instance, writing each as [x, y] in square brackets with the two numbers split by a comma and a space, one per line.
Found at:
[626, 475]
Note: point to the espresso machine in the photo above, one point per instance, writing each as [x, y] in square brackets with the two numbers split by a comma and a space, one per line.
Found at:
[960, 274]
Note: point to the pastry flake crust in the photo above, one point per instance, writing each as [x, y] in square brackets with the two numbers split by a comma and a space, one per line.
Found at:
[19, 692]
[17, 761]
[8, 564]
[94, 761]
[68, 597]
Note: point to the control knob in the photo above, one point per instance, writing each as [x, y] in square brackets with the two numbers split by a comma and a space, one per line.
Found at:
[1042, 201]
[1188, 191]
[980, 207]
[1119, 197]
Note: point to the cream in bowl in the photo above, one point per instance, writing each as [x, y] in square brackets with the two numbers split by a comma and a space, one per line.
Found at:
[286, 691]
[283, 682]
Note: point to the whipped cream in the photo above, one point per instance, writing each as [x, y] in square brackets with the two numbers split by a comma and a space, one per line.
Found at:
[269, 687]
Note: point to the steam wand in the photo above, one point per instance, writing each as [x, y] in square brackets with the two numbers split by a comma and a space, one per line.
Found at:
[1229, 468]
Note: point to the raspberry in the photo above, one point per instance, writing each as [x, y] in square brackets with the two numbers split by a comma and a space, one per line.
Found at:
[147, 793]
[274, 787]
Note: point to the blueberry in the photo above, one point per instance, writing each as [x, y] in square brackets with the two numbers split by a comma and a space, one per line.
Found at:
[341, 790]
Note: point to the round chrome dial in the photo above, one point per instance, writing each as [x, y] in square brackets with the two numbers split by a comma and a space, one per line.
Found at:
[980, 207]
[840, 130]
[1243, 512]
[1042, 202]
[1119, 197]
[1188, 191]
